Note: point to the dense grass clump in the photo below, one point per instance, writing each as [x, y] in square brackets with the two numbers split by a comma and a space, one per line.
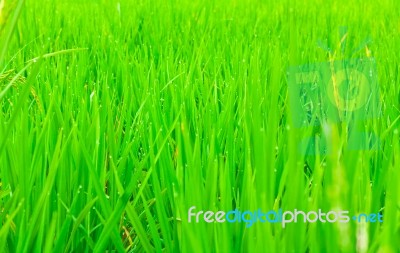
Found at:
[118, 116]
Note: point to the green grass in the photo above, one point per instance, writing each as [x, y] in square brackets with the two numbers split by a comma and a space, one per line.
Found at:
[133, 111]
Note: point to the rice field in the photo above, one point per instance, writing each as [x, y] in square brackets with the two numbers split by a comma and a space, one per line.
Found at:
[119, 116]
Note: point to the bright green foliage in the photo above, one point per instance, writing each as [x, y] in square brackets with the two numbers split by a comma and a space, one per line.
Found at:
[132, 111]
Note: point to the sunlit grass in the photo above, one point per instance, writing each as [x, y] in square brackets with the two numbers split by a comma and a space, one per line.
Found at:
[117, 116]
